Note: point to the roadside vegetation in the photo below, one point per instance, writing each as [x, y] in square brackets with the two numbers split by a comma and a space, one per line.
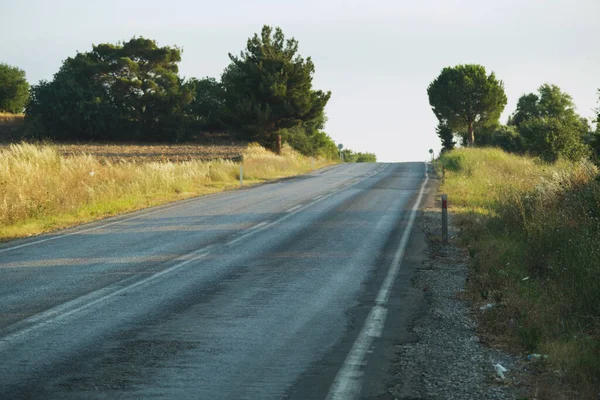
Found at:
[42, 189]
[526, 197]
[533, 234]
[118, 129]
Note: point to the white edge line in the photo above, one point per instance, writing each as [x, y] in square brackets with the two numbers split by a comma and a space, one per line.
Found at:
[78, 232]
[347, 384]
[54, 314]
[294, 208]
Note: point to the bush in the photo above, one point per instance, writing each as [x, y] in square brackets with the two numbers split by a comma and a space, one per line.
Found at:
[553, 138]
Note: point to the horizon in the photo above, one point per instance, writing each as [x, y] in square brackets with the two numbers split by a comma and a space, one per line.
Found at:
[376, 60]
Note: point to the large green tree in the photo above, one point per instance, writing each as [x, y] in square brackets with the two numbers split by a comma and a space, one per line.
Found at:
[549, 101]
[128, 91]
[14, 89]
[268, 87]
[464, 96]
[549, 125]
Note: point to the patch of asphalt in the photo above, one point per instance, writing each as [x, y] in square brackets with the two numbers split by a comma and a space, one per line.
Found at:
[445, 358]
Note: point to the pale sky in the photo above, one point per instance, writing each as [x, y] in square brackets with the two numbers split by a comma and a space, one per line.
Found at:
[376, 57]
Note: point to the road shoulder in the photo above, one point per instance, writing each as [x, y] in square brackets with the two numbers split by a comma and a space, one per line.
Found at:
[443, 357]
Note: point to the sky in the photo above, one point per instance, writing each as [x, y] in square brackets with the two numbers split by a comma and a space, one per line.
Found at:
[376, 57]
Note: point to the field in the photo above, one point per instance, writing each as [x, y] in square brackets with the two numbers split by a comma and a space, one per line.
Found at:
[45, 187]
[154, 153]
[533, 234]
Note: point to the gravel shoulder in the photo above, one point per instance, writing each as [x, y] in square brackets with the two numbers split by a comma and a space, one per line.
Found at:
[445, 358]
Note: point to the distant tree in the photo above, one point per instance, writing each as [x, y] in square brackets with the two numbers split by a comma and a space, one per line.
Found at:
[352, 157]
[464, 96]
[269, 88]
[446, 136]
[552, 138]
[127, 91]
[348, 156]
[550, 101]
[206, 108]
[366, 157]
[14, 89]
[549, 125]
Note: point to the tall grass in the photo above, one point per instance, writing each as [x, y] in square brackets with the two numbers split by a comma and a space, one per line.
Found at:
[8, 118]
[41, 190]
[533, 230]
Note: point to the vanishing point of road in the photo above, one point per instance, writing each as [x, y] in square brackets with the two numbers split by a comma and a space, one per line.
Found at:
[296, 289]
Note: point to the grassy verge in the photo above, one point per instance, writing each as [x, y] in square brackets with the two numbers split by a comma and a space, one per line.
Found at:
[41, 190]
[533, 232]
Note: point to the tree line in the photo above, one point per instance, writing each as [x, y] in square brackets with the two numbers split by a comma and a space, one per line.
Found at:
[132, 91]
[468, 103]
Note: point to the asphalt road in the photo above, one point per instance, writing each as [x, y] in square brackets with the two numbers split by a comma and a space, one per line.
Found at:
[294, 289]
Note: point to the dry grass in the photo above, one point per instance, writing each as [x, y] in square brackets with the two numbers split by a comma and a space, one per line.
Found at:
[533, 232]
[41, 189]
[11, 119]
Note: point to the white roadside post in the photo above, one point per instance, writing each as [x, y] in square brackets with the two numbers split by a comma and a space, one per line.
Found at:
[445, 218]
[241, 175]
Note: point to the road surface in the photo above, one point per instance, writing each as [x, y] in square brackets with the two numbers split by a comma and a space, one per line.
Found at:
[293, 289]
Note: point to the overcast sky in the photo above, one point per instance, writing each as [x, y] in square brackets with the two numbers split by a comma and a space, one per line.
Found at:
[377, 57]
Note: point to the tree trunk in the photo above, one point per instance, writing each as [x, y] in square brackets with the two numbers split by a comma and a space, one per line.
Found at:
[278, 145]
[471, 135]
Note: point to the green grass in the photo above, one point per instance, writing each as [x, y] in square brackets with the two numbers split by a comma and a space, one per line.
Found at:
[42, 190]
[533, 230]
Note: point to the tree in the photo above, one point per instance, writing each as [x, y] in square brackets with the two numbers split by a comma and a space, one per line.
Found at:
[352, 157]
[366, 157]
[14, 89]
[549, 125]
[503, 136]
[269, 88]
[552, 138]
[463, 96]
[446, 136]
[206, 108]
[127, 91]
[527, 107]
[550, 101]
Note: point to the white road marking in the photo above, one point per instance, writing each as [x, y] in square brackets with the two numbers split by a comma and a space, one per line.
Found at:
[317, 197]
[86, 301]
[62, 311]
[294, 208]
[348, 382]
[94, 228]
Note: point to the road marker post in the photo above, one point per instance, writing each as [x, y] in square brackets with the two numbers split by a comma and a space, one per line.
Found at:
[241, 175]
[445, 218]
